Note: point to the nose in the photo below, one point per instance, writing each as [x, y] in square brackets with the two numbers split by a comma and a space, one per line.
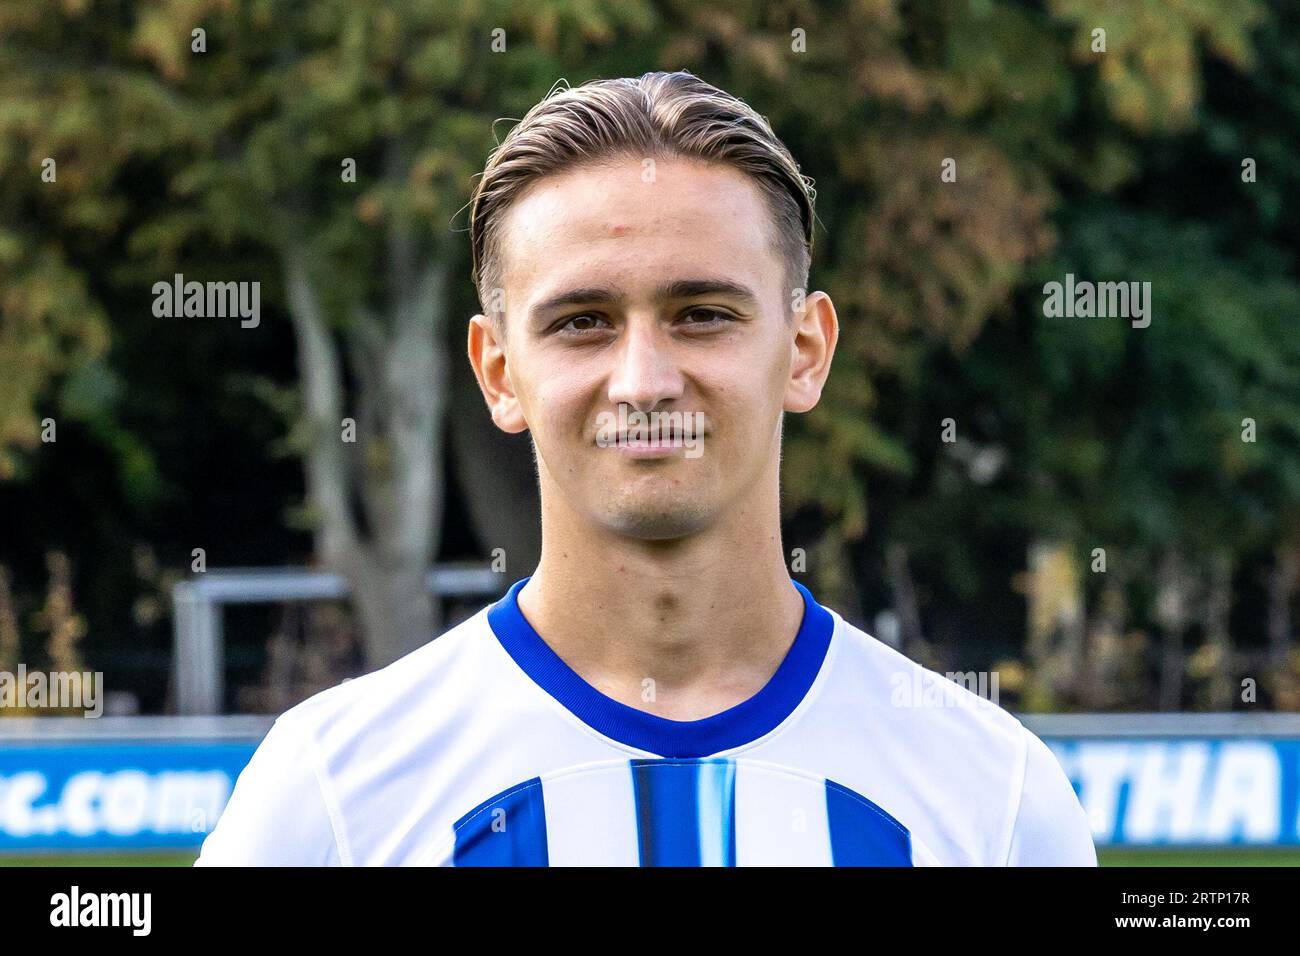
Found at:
[646, 373]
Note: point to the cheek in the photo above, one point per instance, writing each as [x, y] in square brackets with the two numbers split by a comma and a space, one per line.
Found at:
[753, 390]
[557, 401]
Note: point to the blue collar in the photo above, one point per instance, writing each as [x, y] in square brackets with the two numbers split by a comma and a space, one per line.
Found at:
[738, 725]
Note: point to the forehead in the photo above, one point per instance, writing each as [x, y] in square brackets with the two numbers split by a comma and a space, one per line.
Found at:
[625, 223]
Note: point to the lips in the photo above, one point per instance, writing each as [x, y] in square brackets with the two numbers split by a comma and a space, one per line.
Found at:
[676, 438]
[651, 434]
[646, 448]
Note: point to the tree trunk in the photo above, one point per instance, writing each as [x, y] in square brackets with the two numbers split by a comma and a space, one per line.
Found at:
[1104, 664]
[393, 470]
[1281, 585]
[898, 567]
[10, 637]
[1172, 608]
[1218, 609]
[1056, 619]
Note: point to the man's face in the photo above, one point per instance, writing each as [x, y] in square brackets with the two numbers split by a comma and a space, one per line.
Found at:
[653, 294]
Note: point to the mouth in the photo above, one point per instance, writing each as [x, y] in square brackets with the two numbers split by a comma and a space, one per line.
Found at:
[639, 447]
[651, 435]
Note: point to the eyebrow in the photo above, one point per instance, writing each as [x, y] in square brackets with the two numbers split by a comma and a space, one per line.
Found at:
[679, 289]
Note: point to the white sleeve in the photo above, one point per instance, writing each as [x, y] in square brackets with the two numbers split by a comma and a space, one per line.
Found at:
[278, 814]
[1051, 827]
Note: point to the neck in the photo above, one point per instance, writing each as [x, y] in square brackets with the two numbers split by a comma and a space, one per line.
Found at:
[707, 618]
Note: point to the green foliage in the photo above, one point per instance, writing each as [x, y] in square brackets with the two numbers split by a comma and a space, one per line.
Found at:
[1122, 165]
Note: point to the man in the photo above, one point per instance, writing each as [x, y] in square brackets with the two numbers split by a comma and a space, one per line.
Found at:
[659, 691]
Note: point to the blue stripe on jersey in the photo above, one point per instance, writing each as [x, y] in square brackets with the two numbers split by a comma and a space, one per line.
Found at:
[506, 830]
[685, 812]
[862, 834]
[685, 816]
[716, 799]
[739, 725]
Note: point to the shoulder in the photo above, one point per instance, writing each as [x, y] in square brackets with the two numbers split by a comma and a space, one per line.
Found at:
[280, 813]
[1051, 827]
[960, 707]
[286, 807]
[979, 762]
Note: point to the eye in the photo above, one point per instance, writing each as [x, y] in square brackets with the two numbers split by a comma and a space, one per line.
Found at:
[705, 316]
[579, 324]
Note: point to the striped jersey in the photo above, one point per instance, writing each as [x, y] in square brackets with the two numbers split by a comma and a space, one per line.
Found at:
[483, 748]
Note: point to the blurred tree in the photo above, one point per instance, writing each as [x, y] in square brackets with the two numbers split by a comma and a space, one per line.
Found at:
[338, 141]
[61, 152]
[966, 151]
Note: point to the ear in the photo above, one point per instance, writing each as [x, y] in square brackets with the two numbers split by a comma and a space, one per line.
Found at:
[487, 354]
[817, 329]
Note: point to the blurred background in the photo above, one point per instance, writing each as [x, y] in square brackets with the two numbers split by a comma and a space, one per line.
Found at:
[223, 515]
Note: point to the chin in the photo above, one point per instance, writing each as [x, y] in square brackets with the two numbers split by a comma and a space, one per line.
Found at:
[664, 522]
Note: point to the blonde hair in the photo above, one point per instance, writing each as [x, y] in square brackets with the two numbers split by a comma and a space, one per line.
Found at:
[655, 115]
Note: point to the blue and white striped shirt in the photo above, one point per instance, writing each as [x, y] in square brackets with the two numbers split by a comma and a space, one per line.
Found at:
[484, 748]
